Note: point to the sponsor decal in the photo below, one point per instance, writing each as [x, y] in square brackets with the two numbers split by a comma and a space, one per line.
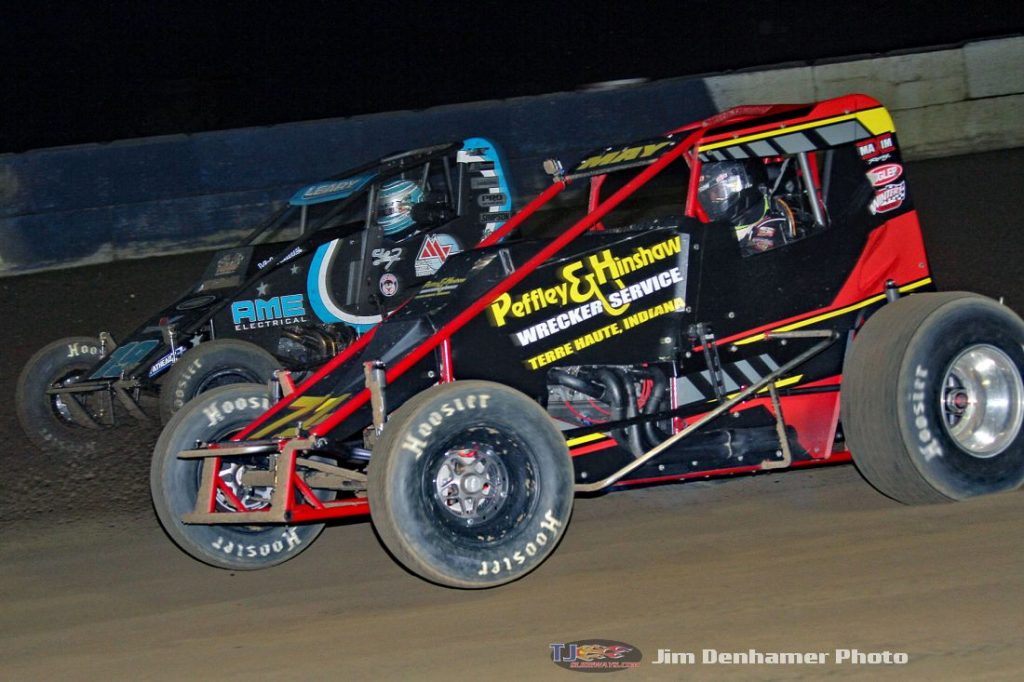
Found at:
[495, 217]
[595, 655]
[929, 446]
[288, 541]
[166, 361]
[617, 300]
[491, 199]
[196, 302]
[548, 532]
[592, 292]
[414, 439]
[228, 264]
[388, 285]
[331, 190]
[869, 149]
[884, 174]
[308, 409]
[581, 281]
[441, 287]
[889, 198]
[386, 257]
[76, 350]
[331, 187]
[216, 412]
[434, 251]
[124, 358]
[604, 333]
[292, 254]
[260, 313]
[263, 263]
[610, 157]
[226, 269]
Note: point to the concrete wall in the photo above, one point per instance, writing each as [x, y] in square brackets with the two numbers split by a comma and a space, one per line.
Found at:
[94, 203]
[72, 206]
[945, 102]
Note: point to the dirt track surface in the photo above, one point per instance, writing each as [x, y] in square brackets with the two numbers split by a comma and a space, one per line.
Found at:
[806, 561]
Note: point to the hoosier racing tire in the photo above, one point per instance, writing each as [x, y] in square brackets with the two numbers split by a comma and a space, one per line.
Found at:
[471, 485]
[933, 400]
[174, 484]
[215, 363]
[44, 419]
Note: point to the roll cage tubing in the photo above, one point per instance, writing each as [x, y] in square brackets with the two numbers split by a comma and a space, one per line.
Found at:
[687, 148]
[446, 331]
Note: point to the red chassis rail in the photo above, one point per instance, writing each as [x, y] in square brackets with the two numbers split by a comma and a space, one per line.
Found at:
[299, 501]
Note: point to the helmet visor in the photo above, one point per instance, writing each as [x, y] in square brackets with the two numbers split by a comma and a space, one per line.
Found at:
[719, 188]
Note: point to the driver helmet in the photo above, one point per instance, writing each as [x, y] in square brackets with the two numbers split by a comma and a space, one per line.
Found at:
[395, 200]
[728, 190]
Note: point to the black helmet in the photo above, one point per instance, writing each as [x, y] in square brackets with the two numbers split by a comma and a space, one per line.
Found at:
[727, 189]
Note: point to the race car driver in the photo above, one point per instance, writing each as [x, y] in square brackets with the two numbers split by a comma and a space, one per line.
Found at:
[737, 192]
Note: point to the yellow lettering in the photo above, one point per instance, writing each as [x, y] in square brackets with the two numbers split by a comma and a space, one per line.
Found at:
[498, 309]
[599, 160]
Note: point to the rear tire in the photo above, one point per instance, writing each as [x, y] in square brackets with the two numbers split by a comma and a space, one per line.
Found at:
[174, 484]
[471, 485]
[933, 400]
[212, 364]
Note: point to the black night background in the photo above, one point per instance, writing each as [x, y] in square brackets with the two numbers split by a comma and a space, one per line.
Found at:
[100, 71]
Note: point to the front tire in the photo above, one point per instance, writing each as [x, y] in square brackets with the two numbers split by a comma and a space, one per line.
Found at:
[933, 398]
[174, 484]
[44, 418]
[471, 485]
[212, 364]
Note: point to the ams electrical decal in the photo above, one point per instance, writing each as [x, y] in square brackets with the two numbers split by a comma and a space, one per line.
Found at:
[261, 313]
[592, 290]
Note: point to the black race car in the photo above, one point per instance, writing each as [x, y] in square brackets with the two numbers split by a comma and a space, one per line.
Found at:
[357, 246]
[749, 292]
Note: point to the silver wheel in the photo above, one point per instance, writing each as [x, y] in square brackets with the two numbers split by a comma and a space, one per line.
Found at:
[983, 400]
[253, 498]
[472, 483]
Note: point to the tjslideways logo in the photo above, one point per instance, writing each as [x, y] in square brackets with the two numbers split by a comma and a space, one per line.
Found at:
[595, 655]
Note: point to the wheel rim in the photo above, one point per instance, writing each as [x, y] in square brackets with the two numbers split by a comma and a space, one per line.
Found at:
[90, 401]
[253, 498]
[58, 405]
[472, 483]
[230, 472]
[224, 377]
[480, 485]
[983, 401]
